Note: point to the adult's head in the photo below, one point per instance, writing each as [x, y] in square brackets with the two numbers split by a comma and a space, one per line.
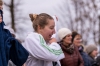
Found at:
[43, 24]
[76, 38]
[65, 35]
[91, 50]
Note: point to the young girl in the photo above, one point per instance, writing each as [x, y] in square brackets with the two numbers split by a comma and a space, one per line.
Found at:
[43, 50]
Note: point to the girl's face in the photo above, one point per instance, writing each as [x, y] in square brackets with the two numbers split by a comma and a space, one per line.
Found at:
[94, 53]
[48, 30]
[67, 39]
[77, 40]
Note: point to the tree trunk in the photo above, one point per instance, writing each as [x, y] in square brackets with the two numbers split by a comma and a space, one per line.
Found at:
[12, 15]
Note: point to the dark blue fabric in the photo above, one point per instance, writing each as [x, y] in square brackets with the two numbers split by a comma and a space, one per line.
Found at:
[85, 59]
[84, 56]
[98, 60]
[10, 48]
[92, 61]
[1, 12]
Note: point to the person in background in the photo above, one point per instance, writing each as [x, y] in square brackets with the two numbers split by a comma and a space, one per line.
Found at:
[92, 52]
[77, 40]
[10, 48]
[72, 55]
[43, 50]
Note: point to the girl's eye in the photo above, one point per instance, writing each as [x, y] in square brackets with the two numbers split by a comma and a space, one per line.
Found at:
[51, 27]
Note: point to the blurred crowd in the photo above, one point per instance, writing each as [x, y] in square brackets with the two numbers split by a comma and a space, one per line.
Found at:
[45, 46]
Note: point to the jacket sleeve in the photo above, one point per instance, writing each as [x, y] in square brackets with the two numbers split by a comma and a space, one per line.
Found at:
[38, 48]
[16, 52]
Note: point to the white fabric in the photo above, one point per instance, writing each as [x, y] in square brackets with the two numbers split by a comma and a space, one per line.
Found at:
[63, 32]
[41, 54]
[54, 35]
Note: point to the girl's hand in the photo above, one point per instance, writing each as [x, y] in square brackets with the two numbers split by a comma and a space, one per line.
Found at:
[52, 40]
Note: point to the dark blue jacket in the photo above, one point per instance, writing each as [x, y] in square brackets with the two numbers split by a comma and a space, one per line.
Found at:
[10, 48]
[93, 61]
[84, 56]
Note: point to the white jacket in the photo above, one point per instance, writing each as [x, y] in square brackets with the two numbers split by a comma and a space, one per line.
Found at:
[40, 53]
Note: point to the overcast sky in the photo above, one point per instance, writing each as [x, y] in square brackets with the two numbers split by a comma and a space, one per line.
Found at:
[52, 7]
[37, 6]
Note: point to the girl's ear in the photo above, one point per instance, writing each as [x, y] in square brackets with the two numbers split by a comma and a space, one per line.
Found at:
[39, 28]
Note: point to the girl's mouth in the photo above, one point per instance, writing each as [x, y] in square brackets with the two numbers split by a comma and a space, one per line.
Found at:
[50, 36]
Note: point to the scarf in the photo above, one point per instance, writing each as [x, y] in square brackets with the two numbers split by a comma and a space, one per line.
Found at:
[80, 48]
[69, 49]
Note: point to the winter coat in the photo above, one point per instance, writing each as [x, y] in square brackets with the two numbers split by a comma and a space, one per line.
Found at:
[10, 48]
[93, 61]
[73, 59]
[41, 53]
[84, 56]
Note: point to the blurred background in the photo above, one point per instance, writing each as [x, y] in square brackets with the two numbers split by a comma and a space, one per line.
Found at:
[82, 16]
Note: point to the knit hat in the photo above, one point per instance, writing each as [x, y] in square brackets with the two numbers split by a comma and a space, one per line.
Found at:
[63, 32]
[90, 48]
